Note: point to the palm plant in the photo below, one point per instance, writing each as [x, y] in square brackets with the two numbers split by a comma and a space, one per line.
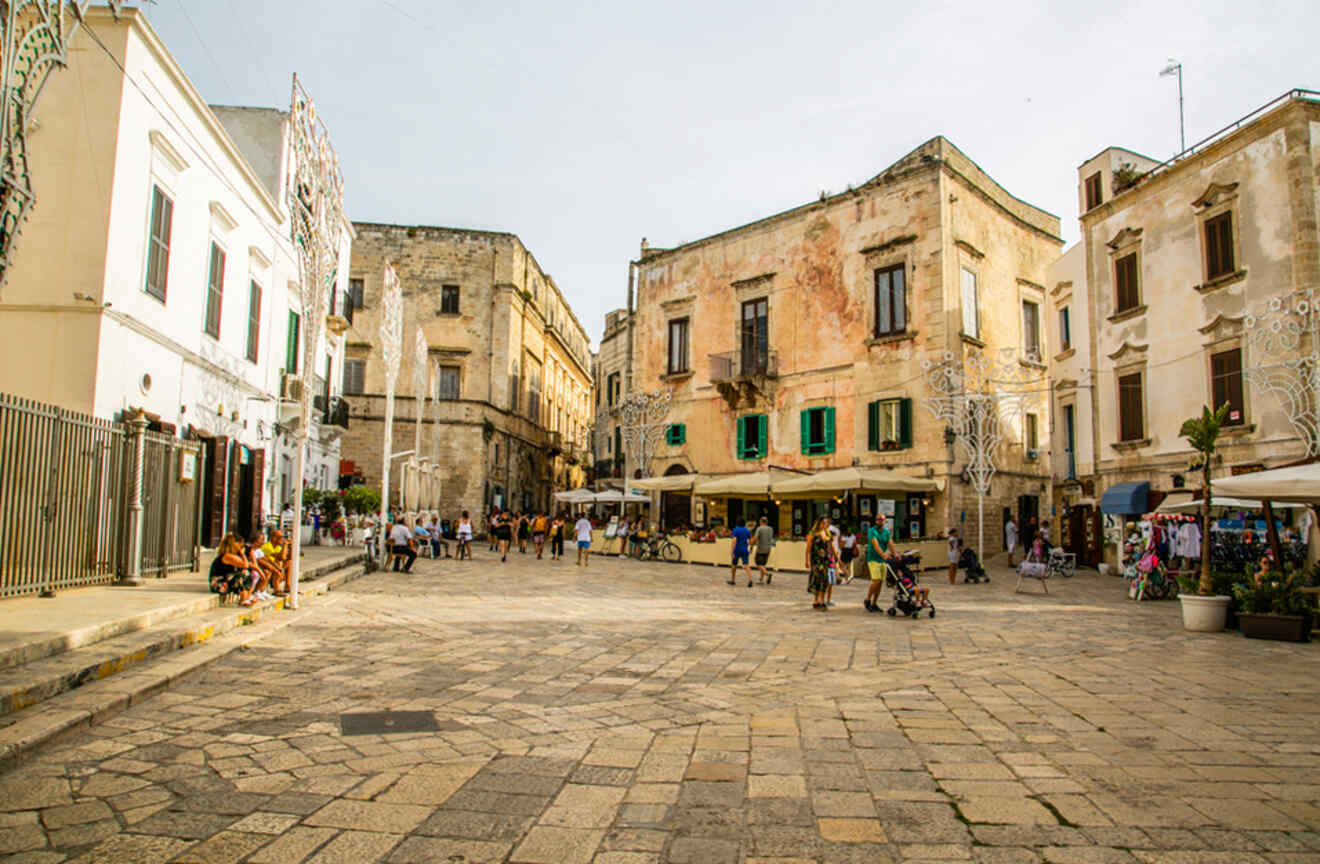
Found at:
[1203, 433]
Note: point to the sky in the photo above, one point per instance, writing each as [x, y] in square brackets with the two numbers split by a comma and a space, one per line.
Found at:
[584, 127]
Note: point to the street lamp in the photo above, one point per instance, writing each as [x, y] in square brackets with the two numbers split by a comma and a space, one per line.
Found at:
[1175, 68]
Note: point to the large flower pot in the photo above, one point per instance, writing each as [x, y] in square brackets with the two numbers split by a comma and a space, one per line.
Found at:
[1286, 628]
[357, 536]
[1204, 614]
[305, 535]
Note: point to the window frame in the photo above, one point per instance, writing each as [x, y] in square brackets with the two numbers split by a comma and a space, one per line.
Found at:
[1125, 375]
[354, 376]
[292, 336]
[1094, 182]
[611, 380]
[156, 245]
[676, 434]
[963, 273]
[902, 406]
[215, 290]
[254, 321]
[1132, 284]
[1226, 244]
[810, 444]
[682, 351]
[357, 291]
[1065, 328]
[1031, 331]
[762, 445]
[1216, 377]
[1031, 431]
[451, 297]
[897, 300]
[442, 371]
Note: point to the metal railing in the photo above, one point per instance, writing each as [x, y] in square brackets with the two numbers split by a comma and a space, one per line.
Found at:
[170, 507]
[744, 364]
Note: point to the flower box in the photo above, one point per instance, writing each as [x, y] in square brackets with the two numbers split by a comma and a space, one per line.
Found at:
[1285, 628]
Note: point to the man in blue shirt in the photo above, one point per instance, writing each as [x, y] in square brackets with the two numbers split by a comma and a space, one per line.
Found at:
[741, 538]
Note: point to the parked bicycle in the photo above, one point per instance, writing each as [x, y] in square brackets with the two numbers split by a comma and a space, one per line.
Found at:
[656, 548]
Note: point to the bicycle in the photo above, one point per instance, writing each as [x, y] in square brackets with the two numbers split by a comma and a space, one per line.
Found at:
[657, 548]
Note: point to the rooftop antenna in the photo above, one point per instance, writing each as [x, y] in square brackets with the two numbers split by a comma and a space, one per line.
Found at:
[1175, 68]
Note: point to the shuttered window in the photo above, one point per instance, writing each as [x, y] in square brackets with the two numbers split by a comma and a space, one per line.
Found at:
[678, 346]
[1127, 295]
[1226, 385]
[254, 321]
[676, 434]
[1031, 329]
[449, 383]
[890, 301]
[889, 424]
[1094, 191]
[291, 345]
[158, 251]
[817, 431]
[1219, 246]
[971, 316]
[355, 376]
[1131, 422]
[449, 300]
[356, 293]
[1065, 329]
[752, 436]
[215, 291]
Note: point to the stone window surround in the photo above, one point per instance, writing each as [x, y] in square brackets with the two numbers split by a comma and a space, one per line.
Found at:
[969, 259]
[1130, 367]
[1225, 334]
[1217, 199]
[1126, 242]
[883, 257]
[1030, 292]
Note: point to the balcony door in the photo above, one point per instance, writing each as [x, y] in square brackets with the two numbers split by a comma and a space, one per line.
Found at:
[755, 342]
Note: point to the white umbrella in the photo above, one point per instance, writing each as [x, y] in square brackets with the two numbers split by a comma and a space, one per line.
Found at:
[576, 496]
[1299, 483]
[613, 496]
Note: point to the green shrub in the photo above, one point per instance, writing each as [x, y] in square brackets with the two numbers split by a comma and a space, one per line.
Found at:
[311, 497]
[361, 500]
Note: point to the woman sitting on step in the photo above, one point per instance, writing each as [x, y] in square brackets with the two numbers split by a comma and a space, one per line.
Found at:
[229, 571]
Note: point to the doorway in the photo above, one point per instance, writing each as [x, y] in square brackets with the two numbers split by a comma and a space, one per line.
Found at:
[675, 507]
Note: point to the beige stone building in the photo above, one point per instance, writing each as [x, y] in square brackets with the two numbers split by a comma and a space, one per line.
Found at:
[509, 367]
[1177, 262]
[797, 341]
[610, 369]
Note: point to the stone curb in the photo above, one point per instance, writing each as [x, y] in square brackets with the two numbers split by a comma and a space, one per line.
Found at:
[107, 693]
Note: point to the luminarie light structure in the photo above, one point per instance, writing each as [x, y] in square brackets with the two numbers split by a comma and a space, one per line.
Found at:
[645, 416]
[1283, 335]
[391, 353]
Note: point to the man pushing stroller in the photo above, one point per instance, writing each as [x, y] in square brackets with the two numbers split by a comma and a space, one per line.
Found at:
[882, 560]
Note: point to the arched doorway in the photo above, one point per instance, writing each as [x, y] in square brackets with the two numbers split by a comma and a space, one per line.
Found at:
[675, 507]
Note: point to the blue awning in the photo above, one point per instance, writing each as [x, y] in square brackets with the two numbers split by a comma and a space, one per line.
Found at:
[1125, 498]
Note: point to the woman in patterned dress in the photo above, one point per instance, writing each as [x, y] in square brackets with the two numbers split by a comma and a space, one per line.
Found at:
[819, 549]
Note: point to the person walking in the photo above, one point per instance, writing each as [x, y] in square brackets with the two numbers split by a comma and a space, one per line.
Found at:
[1011, 538]
[557, 537]
[832, 575]
[818, 563]
[540, 525]
[503, 528]
[524, 532]
[582, 529]
[741, 537]
[764, 539]
[847, 551]
[879, 549]
[464, 537]
[403, 546]
[491, 520]
[954, 551]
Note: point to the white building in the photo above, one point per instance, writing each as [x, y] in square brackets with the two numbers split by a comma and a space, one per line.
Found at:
[156, 270]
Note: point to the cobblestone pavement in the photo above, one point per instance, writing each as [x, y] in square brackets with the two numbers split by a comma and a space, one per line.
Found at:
[651, 713]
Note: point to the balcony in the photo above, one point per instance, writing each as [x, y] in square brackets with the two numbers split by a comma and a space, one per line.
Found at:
[740, 365]
[336, 414]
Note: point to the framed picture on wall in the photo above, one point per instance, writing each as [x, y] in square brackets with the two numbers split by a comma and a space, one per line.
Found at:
[699, 514]
[914, 529]
[864, 506]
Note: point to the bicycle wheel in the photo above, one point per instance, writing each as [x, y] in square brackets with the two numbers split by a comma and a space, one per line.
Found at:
[671, 553]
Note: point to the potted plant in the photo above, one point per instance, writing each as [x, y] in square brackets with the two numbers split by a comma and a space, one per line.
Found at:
[1204, 611]
[1273, 607]
[361, 501]
[331, 510]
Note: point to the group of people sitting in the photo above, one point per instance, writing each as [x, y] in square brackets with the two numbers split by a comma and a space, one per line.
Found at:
[405, 541]
[251, 570]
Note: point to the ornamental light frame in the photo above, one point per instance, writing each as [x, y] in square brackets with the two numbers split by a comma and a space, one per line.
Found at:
[645, 416]
[315, 198]
[391, 353]
[1283, 334]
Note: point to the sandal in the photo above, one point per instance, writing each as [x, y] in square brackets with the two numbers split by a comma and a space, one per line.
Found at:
[731, 582]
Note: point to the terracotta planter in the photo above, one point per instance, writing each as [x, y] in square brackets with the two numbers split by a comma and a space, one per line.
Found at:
[1285, 628]
[1204, 614]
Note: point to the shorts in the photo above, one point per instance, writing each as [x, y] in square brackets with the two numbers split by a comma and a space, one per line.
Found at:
[761, 558]
[584, 544]
[538, 539]
[739, 557]
[847, 555]
[877, 569]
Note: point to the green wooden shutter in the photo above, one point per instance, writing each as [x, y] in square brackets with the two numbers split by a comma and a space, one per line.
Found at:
[682, 433]
[742, 437]
[760, 438]
[805, 420]
[905, 422]
[829, 429]
[873, 426]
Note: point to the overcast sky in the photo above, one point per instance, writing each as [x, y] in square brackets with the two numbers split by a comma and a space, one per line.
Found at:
[583, 127]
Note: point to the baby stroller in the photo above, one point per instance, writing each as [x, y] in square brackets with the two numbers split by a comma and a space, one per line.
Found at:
[904, 582]
[971, 566]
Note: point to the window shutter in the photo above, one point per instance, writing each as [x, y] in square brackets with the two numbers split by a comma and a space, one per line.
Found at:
[760, 436]
[905, 422]
[742, 437]
[804, 418]
[682, 433]
[873, 426]
[829, 430]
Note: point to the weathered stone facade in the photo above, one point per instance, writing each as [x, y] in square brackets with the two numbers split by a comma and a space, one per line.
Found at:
[1184, 313]
[925, 219]
[610, 369]
[510, 367]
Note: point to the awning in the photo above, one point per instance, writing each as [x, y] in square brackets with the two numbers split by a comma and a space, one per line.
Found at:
[671, 483]
[1299, 483]
[748, 485]
[853, 480]
[1225, 503]
[576, 496]
[1125, 498]
[1177, 501]
[613, 496]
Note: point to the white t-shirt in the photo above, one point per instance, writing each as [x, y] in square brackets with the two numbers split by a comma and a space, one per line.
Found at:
[583, 529]
[465, 529]
[400, 535]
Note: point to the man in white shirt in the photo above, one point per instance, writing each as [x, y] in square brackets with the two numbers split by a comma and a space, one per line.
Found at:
[401, 539]
[583, 530]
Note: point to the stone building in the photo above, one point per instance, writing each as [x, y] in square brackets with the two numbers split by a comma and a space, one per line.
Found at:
[797, 341]
[1182, 263]
[611, 374]
[509, 367]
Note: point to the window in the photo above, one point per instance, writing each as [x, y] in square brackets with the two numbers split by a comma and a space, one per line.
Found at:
[1094, 191]
[254, 321]
[751, 436]
[158, 244]
[1226, 385]
[1065, 329]
[533, 391]
[449, 300]
[678, 346]
[215, 290]
[889, 424]
[755, 341]
[1070, 438]
[1032, 430]
[890, 301]
[1219, 245]
[1125, 279]
[612, 389]
[971, 319]
[817, 431]
[447, 385]
[356, 293]
[676, 434]
[355, 376]
[515, 386]
[1131, 424]
[1031, 329]
[291, 345]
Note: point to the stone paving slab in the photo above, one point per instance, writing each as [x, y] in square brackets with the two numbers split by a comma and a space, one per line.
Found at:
[632, 713]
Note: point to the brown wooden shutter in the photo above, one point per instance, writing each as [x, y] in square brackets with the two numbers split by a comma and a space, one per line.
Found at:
[235, 484]
[1129, 406]
[219, 451]
[258, 483]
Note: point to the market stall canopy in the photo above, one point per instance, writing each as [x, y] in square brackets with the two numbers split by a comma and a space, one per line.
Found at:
[576, 496]
[672, 483]
[1177, 501]
[1222, 502]
[1298, 483]
[746, 485]
[1125, 498]
[614, 496]
[853, 480]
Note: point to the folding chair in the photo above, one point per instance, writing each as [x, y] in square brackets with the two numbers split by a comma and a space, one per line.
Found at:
[1033, 570]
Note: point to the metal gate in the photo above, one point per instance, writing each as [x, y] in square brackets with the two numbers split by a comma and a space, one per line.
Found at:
[170, 506]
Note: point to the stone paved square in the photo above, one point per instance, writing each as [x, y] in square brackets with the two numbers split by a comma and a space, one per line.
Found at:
[648, 713]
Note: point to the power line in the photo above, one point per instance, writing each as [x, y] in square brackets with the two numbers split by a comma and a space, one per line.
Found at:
[205, 47]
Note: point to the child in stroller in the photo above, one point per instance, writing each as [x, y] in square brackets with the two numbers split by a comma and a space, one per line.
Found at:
[971, 566]
[909, 597]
